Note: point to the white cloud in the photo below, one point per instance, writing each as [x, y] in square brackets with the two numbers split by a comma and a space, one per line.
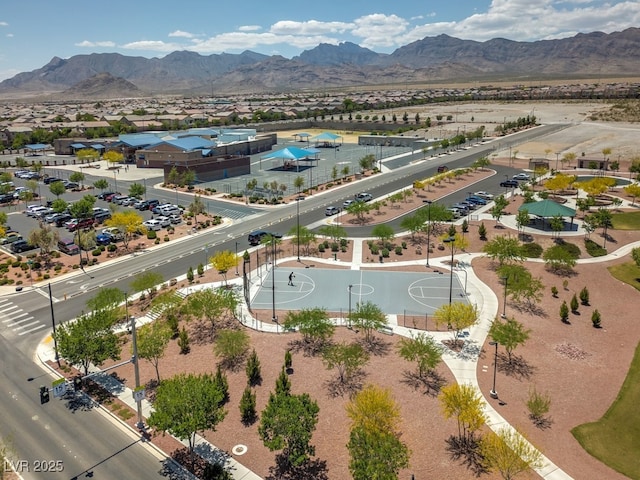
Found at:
[180, 33]
[88, 44]
[249, 28]
[310, 27]
[4, 24]
[153, 46]
[9, 35]
[379, 30]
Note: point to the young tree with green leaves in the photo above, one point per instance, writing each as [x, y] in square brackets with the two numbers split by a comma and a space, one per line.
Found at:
[359, 210]
[152, 342]
[57, 189]
[423, 350]
[346, 358]
[88, 340]
[314, 325]
[253, 370]
[564, 312]
[305, 239]
[287, 423]
[137, 190]
[146, 281]
[383, 232]
[248, 412]
[334, 232]
[368, 317]
[510, 334]
[457, 316]
[101, 184]
[559, 260]
[500, 203]
[504, 249]
[211, 304]
[187, 404]
[232, 347]
[196, 208]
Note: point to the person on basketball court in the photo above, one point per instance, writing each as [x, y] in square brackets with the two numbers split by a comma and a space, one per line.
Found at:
[291, 277]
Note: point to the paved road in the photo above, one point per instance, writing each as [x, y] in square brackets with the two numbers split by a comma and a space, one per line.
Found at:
[53, 441]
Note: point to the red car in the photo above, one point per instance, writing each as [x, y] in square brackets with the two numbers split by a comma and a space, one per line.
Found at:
[84, 223]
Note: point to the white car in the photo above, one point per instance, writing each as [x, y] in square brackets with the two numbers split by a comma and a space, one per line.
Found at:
[522, 176]
[164, 221]
[175, 219]
[483, 194]
[152, 225]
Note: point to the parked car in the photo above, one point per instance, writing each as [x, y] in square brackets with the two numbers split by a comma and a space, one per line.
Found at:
[175, 219]
[331, 211]
[114, 232]
[167, 210]
[36, 211]
[522, 176]
[104, 238]
[20, 246]
[256, 236]
[109, 197]
[6, 198]
[156, 209]
[104, 195]
[71, 185]
[454, 212]
[462, 208]
[509, 183]
[477, 200]
[152, 225]
[49, 180]
[10, 237]
[118, 199]
[62, 219]
[75, 224]
[52, 217]
[347, 203]
[68, 246]
[100, 217]
[164, 221]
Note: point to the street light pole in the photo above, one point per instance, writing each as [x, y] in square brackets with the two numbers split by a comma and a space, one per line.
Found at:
[298, 222]
[428, 202]
[273, 281]
[349, 317]
[450, 240]
[493, 393]
[504, 303]
[136, 369]
[237, 259]
[53, 324]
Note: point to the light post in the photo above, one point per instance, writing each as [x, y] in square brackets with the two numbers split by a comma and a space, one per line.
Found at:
[115, 180]
[273, 281]
[53, 324]
[493, 392]
[136, 369]
[504, 303]
[298, 222]
[557, 155]
[349, 317]
[428, 202]
[237, 259]
[451, 240]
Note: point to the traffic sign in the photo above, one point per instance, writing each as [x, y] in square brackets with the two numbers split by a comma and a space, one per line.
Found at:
[59, 387]
[138, 395]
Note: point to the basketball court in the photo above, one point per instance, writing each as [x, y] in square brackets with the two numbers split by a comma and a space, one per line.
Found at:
[338, 290]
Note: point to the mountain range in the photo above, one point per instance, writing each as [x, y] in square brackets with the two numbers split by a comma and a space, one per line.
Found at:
[433, 59]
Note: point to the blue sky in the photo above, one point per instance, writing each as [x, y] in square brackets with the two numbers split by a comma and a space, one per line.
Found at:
[32, 32]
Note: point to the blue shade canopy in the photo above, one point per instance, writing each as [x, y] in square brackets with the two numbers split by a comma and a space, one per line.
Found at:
[292, 153]
[327, 136]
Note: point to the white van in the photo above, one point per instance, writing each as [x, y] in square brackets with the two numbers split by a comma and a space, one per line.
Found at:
[167, 210]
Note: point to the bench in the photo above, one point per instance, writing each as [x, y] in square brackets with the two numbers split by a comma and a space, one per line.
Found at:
[386, 330]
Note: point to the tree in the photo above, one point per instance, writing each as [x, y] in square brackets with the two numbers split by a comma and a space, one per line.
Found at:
[558, 259]
[359, 210]
[368, 317]
[254, 374]
[482, 231]
[457, 316]
[374, 409]
[564, 312]
[508, 452]
[112, 157]
[101, 184]
[413, 223]
[596, 318]
[635, 254]
[129, 223]
[187, 404]
[108, 301]
[510, 334]
[347, 359]
[464, 403]
[538, 405]
[305, 237]
[77, 177]
[211, 303]
[287, 423]
[376, 454]
[88, 340]
[223, 261]
[57, 188]
[500, 203]
[557, 224]
[574, 304]
[152, 342]
[232, 346]
[421, 349]
[146, 281]
[633, 190]
[196, 208]
[248, 406]
[383, 232]
[522, 220]
[504, 249]
[87, 154]
[137, 190]
[334, 232]
[44, 237]
[314, 325]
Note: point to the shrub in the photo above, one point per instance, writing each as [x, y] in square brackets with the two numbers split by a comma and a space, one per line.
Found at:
[594, 249]
[574, 303]
[584, 296]
[112, 247]
[183, 341]
[554, 291]
[404, 245]
[343, 242]
[531, 250]
[398, 250]
[374, 249]
[321, 247]
[157, 241]
[571, 248]
[335, 247]
[248, 406]
[482, 231]
[538, 405]
[595, 319]
[151, 234]
[166, 238]
[96, 252]
[385, 253]
[564, 312]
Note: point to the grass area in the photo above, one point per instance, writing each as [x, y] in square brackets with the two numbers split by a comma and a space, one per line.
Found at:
[628, 273]
[615, 438]
[626, 221]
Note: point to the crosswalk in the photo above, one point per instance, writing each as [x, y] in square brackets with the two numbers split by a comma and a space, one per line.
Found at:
[14, 318]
